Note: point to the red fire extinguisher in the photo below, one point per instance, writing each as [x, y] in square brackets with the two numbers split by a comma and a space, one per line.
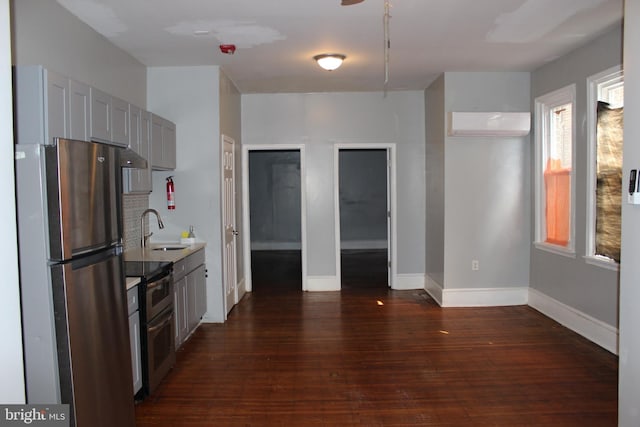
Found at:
[171, 202]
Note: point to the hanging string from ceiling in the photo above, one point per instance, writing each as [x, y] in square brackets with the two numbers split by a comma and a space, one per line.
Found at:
[387, 44]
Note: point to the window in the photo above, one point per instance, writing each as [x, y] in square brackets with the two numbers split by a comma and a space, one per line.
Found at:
[604, 187]
[555, 142]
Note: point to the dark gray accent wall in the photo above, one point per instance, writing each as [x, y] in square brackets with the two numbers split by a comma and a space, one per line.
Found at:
[363, 198]
[591, 289]
[274, 199]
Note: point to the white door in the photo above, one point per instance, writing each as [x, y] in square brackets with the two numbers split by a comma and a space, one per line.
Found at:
[389, 277]
[229, 232]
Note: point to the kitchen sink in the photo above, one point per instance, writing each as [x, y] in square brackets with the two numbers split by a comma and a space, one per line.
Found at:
[169, 247]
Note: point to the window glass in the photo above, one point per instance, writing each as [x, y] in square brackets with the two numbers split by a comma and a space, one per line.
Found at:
[555, 123]
[609, 138]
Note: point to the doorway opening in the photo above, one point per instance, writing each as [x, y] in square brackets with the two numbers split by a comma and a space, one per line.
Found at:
[274, 246]
[364, 216]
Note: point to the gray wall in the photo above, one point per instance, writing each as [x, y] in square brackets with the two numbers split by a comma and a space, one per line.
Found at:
[189, 96]
[363, 199]
[435, 123]
[318, 121]
[45, 33]
[274, 194]
[588, 288]
[486, 187]
[629, 375]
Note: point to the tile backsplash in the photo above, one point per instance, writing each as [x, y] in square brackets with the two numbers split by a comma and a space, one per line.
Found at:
[132, 207]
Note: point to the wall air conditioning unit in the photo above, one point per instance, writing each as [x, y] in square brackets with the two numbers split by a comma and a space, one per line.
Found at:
[489, 124]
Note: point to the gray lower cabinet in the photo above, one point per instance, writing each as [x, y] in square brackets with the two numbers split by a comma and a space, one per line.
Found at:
[134, 338]
[180, 302]
[189, 276]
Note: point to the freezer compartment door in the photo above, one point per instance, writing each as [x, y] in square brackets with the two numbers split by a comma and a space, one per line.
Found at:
[92, 333]
[83, 181]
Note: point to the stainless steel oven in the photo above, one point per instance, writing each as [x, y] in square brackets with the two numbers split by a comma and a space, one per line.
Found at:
[158, 296]
[161, 351]
[157, 320]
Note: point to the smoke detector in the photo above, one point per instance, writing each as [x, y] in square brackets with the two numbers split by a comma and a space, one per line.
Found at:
[229, 49]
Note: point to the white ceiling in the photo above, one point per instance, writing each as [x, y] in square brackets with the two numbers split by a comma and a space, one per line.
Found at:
[277, 39]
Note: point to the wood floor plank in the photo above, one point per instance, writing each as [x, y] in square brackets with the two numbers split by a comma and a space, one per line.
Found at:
[288, 358]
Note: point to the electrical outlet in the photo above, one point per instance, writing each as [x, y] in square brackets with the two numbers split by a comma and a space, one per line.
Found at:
[475, 265]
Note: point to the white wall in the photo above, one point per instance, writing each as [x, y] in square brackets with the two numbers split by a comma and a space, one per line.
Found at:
[189, 96]
[11, 366]
[45, 33]
[486, 188]
[629, 374]
[590, 289]
[320, 120]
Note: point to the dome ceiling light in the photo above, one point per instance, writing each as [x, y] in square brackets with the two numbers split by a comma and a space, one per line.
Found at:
[329, 61]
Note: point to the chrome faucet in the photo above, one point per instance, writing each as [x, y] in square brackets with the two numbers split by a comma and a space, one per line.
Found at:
[144, 237]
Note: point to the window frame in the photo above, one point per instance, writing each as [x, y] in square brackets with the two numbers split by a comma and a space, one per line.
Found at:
[590, 257]
[543, 106]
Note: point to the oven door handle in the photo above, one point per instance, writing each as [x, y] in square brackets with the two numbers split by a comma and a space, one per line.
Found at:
[157, 283]
[152, 329]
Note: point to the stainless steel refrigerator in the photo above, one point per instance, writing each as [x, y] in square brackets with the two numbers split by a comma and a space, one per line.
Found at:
[76, 336]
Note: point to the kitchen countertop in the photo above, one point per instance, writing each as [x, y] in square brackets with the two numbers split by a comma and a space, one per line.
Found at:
[132, 281]
[148, 254]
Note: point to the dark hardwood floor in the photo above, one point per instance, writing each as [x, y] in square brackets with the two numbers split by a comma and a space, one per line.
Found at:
[369, 356]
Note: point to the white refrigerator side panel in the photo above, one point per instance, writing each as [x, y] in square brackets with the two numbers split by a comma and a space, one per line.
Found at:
[41, 361]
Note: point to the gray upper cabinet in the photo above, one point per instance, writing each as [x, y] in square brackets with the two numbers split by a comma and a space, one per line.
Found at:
[42, 105]
[100, 116]
[79, 111]
[135, 130]
[57, 105]
[49, 105]
[109, 119]
[163, 143]
[119, 122]
[139, 180]
[169, 144]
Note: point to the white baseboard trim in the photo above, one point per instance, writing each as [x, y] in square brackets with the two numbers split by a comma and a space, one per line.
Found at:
[596, 331]
[484, 297]
[363, 244]
[406, 282]
[603, 334]
[322, 283]
[470, 297]
[433, 288]
[275, 246]
[242, 289]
